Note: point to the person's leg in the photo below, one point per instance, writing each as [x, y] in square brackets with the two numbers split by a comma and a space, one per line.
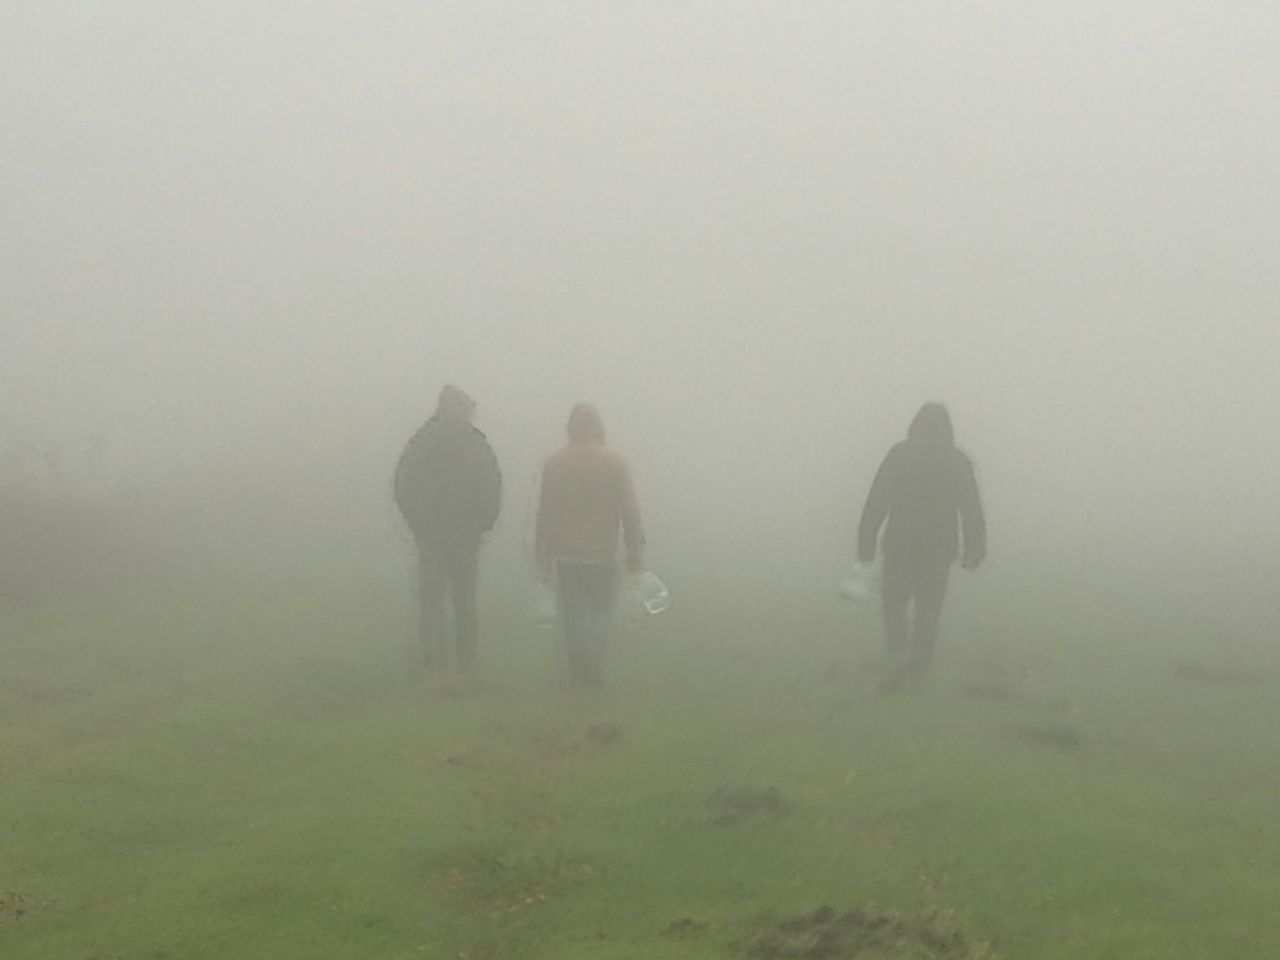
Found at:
[574, 616]
[895, 592]
[931, 590]
[602, 586]
[432, 580]
[463, 571]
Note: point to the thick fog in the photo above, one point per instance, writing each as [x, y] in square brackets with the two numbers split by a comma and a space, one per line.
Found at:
[245, 244]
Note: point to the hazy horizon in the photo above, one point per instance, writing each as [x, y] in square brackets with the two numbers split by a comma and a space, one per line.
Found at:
[252, 241]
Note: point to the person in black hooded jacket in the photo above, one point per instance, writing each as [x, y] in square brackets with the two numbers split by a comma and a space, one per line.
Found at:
[926, 488]
[448, 488]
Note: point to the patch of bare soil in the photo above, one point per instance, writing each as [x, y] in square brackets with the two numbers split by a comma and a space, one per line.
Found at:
[1048, 736]
[35, 691]
[1016, 688]
[13, 906]
[503, 883]
[731, 805]
[569, 744]
[603, 734]
[462, 756]
[684, 927]
[867, 932]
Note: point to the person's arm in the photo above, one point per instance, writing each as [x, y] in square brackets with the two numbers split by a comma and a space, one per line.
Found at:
[875, 510]
[488, 488]
[404, 479]
[973, 522]
[543, 545]
[632, 529]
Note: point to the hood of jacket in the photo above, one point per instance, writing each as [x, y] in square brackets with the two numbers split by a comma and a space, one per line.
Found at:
[585, 424]
[931, 427]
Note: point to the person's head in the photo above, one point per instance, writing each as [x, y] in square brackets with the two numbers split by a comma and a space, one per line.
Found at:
[456, 404]
[932, 425]
[585, 425]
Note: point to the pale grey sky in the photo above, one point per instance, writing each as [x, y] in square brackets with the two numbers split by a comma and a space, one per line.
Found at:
[758, 234]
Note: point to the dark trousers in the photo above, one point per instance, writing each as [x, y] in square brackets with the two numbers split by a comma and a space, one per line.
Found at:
[586, 608]
[922, 585]
[447, 568]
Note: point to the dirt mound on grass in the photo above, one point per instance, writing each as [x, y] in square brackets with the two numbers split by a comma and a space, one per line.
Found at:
[730, 805]
[577, 742]
[13, 906]
[868, 933]
[684, 927]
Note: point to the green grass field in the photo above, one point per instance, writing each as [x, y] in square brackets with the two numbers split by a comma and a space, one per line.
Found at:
[234, 768]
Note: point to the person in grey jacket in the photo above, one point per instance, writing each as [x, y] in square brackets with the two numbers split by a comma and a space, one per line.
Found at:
[926, 488]
[448, 487]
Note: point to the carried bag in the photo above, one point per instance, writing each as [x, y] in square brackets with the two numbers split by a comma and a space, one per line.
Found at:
[544, 605]
[652, 593]
[862, 585]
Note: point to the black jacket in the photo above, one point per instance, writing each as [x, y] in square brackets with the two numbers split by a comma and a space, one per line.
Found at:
[927, 489]
[447, 482]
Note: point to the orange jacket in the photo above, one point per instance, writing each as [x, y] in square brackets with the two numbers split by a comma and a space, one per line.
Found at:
[587, 498]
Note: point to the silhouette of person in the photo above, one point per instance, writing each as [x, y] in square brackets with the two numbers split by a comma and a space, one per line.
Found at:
[587, 498]
[448, 487]
[926, 488]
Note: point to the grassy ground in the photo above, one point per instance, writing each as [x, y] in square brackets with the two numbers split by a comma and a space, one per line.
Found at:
[249, 770]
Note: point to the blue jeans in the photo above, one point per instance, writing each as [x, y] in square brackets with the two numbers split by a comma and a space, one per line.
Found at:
[586, 608]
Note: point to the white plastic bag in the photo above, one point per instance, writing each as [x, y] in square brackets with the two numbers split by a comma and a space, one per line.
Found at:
[651, 592]
[861, 585]
[545, 605]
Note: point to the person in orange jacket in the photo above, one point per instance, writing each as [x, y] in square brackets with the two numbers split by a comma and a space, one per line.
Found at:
[587, 506]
